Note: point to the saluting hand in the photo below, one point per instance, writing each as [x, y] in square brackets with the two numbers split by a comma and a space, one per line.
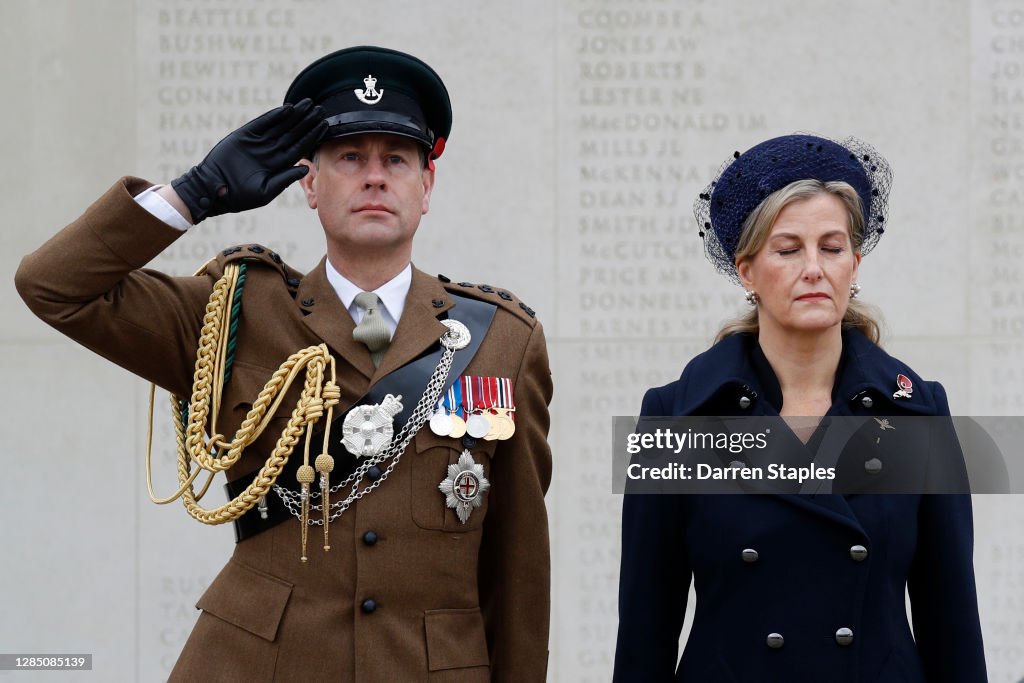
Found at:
[254, 164]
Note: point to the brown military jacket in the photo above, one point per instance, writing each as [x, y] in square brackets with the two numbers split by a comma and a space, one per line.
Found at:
[453, 602]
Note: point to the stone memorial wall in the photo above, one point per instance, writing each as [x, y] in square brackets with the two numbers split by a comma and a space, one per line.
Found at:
[996, 320]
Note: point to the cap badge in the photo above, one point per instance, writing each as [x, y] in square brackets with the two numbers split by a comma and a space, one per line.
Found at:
[464, 486]
[905, 385]
[371, 95]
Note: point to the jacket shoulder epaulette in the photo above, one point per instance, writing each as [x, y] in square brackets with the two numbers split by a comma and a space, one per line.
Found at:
[495, 295]
[255, 254]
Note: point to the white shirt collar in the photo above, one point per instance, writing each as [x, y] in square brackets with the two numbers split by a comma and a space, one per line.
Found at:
[392, 293]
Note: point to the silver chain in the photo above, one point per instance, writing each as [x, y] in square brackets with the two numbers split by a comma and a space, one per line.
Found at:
[435, 385]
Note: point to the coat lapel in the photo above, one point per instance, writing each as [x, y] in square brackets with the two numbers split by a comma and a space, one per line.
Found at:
[419, 329]
[329, 320]
[727, 367]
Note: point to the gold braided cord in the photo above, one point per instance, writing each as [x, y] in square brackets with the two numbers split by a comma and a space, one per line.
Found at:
[217, 454]
[149, 456]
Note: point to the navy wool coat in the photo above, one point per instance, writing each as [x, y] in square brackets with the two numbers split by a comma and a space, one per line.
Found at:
[824, 599]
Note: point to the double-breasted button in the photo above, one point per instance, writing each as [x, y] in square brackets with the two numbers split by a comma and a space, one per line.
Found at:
[438, 303]
[370, 538]
[369, 606]
[844, 636]
[859, 553]
[373, 473]
[744, 402]
[256, 249]
[775, 641]
[275, 257]
[293, 282]
[443, 278]
[749, 555]
[867, 402]
[873, 466]
[308, 302]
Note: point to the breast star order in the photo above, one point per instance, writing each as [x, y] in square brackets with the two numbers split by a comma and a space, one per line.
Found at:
[465, 486]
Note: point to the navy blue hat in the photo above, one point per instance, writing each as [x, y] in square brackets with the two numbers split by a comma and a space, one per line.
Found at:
[376, 90]
[747, 179]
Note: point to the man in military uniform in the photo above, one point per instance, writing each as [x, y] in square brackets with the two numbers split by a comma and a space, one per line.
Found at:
[439, 567]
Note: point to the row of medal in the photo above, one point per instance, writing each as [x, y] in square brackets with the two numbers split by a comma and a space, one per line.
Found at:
[481, 407]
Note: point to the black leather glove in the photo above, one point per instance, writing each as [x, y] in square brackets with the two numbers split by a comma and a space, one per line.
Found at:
[254, 164]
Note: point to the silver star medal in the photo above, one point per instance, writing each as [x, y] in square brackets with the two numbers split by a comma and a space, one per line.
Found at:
[465, 486]
[368, 429]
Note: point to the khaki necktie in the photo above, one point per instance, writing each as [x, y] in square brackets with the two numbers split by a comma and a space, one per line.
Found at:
[372, 330]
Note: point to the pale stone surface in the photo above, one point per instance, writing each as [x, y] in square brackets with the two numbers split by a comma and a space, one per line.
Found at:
[583, 131]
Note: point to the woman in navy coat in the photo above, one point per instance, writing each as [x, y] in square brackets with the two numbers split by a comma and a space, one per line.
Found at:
[798, 588]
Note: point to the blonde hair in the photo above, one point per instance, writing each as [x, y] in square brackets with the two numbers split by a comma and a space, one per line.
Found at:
[758, 226]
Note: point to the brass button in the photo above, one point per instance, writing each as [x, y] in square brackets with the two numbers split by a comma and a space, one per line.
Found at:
[859, 553]
[744, 402]
[844, 636]
[867, 402]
